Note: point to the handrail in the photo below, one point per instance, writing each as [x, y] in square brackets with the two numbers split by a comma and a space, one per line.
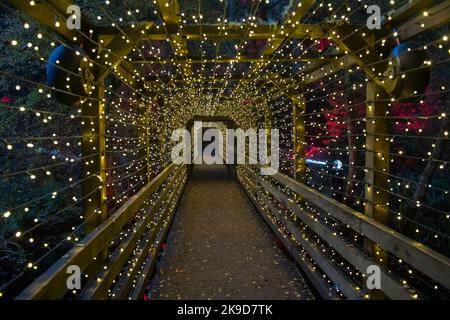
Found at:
[421, 257]
[305, 263]
[392, 287]
[424, 259]
[52, 283]
[139, 287]
[152, 237]
[99, 289]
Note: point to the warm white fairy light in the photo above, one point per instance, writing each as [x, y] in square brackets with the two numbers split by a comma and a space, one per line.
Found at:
[124, 120]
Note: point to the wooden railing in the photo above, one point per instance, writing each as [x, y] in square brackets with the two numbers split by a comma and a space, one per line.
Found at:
[289, 219]
[130, 237]
[118, 257]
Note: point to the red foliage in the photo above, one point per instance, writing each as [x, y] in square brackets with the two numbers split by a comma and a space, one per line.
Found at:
[311, 152]
[410, 110]
[335, 122]
[6, 100]
[324, 44]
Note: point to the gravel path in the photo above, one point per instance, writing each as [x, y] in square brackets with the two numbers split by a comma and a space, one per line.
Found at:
[220, 248]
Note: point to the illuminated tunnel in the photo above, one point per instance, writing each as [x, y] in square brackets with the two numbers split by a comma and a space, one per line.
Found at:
[349, 101]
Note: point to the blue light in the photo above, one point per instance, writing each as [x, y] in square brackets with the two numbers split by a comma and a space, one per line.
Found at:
[311, 161]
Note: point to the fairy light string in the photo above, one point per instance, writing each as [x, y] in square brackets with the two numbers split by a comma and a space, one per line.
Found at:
[328, 102]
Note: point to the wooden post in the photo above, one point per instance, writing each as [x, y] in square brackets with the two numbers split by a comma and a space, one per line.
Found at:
[268, 121]
[298, 132]
[298, 126]
[94, 142]
[94, 163]
[377, 166]
[162, 134]
[144, 143]
[147, 144]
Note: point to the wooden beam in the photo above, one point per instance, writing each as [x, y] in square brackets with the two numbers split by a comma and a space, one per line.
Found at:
[437, 17]
[377, 166]
[50, 12]
[171, 15]
[52, 283]
[152, 237]
[377, 154]
[99, 289]
[281, 35]
[391, 286]
[289, 27]
[139, 287]
[94, 171]
[346, 285]
[298, 125]
[310, 74]
[119, 47]
[304, 262]
[260, 32]
[362, 49]
[144, 143]
[240, 59]
[224, 32]
[282, 83]
[409, 9]
[421, 257]
[315, 74]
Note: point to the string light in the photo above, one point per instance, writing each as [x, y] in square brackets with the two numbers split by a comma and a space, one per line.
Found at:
[140, 115]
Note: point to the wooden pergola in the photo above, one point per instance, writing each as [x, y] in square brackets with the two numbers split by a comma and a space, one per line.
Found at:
[354, 47]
